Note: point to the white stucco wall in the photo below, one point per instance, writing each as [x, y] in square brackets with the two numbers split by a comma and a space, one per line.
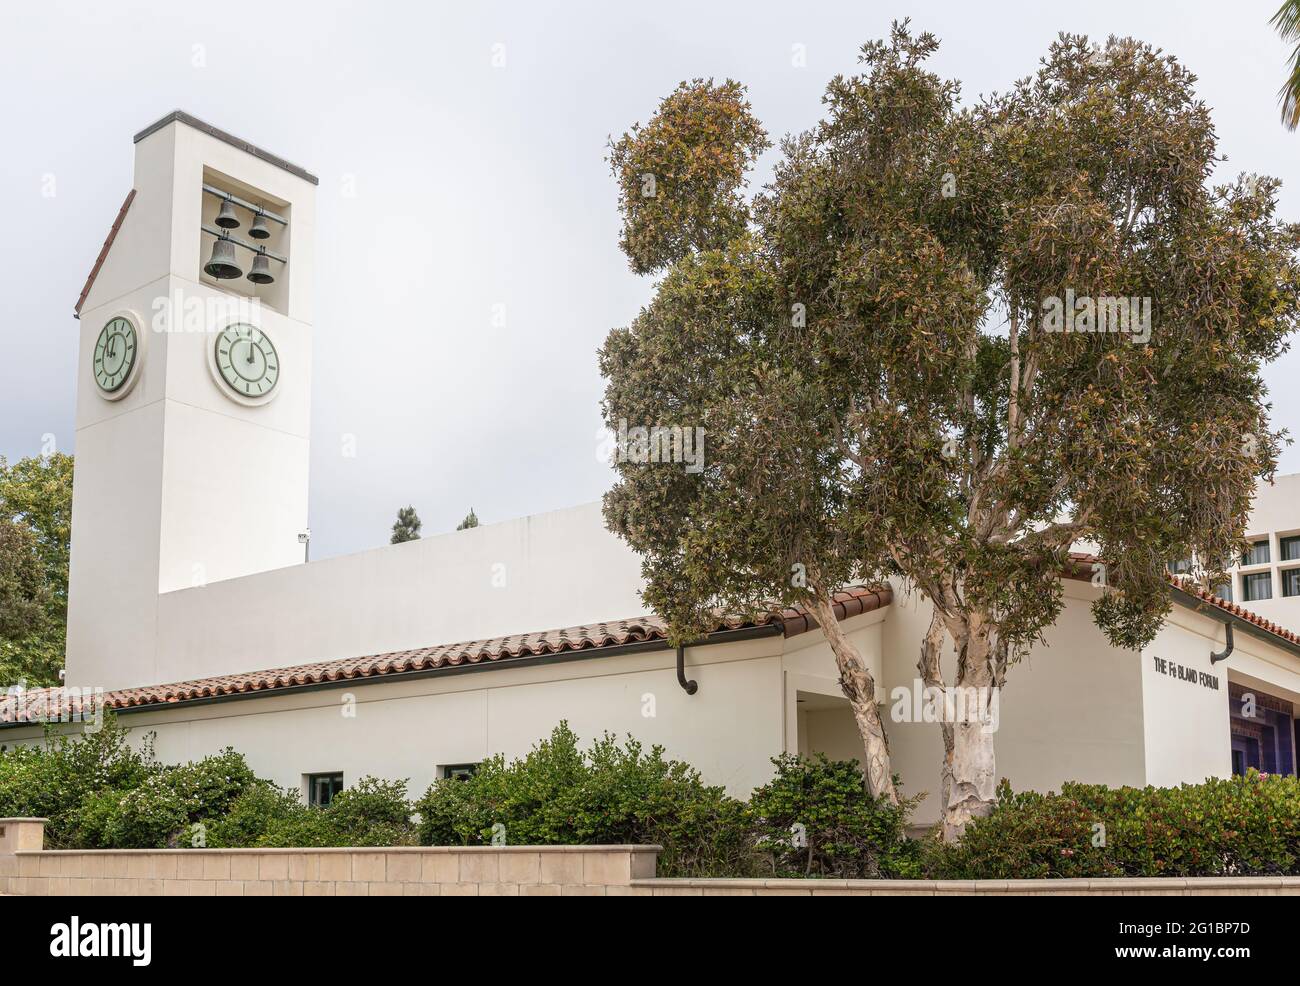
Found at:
[1071, 711]
[536, 573]
[1185, 702]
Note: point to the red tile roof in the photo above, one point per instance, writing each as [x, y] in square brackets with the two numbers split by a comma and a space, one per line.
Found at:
[103, 251]
[1081, 568]
[498, 651]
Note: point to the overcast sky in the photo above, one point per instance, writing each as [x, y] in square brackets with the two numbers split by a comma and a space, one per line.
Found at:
[477, 186]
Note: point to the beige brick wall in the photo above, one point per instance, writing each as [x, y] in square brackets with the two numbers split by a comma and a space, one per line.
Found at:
[409, 871]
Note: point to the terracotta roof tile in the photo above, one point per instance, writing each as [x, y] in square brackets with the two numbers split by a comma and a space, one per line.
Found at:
[1081, 568]
[497, 651]
[103, 251]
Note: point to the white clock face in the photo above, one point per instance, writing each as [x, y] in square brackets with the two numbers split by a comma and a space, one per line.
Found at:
[115, 363]
[246, 361]
[117, 354]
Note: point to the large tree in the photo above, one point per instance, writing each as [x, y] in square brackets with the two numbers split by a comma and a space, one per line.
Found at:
[35, 533]
[895, 355]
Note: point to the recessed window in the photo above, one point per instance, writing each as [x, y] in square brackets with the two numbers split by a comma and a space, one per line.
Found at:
[1290, 581]
[1256, 587]
[1181, 567]
[1224, 591]
[459, 771]
[1257, 555]
[321, 788]
[1289, 548]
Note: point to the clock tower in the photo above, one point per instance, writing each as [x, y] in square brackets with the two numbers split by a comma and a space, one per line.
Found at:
[193, 392]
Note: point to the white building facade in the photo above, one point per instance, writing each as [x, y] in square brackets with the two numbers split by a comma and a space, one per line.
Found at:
[192, 609]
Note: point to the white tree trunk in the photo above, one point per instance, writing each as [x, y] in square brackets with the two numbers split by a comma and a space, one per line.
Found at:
[931, 672]
[974, 767]
[859, 688]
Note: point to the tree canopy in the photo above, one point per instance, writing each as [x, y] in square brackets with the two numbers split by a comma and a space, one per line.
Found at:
[35, 533]
[947, 343]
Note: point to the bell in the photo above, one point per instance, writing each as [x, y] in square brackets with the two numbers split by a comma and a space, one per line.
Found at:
[226, 217]
[259, 229]
[261, 270]
[222, 265]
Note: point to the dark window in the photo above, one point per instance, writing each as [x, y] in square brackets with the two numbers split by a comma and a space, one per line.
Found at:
[1224, 591]
[1257, 555]
[1261, 727]
[1180, 567]
[1256, 587]
[459, 771]
[1289, 548]
[1290, 581]
[321, 789]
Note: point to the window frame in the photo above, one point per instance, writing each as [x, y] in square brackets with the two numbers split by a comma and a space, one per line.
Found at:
[1257, 544]
[1256, 578]
[312, 780]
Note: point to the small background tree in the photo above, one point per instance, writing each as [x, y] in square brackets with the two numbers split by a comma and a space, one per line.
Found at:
[406, 527]
[471, 520]
[35, 533]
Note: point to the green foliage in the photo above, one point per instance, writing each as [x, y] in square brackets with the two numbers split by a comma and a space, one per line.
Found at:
[1287, 22]
[262, 811]
[406, 527]
[150, 815]
[372, 812]
[815, 818]
[611, 794]
[1239, 826]
[471, 520]
[53, 780]
[680, 175]
[852, 341]
[23, 592]
[100, 792]
[35, 531]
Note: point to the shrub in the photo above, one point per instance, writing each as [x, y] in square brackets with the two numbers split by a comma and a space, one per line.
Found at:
[815, 818]
[210, 786]
[612, 794]
[54, 779]
[150, 815]
[370, 813]
[1238, 826]
[261, 808]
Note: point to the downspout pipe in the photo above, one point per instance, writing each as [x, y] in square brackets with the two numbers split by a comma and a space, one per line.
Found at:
[689, 687]
[1217, 656]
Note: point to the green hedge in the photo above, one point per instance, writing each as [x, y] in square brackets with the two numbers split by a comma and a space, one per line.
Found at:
[812, 818]
[100, 793]
[1239, 826]
[610, 794]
